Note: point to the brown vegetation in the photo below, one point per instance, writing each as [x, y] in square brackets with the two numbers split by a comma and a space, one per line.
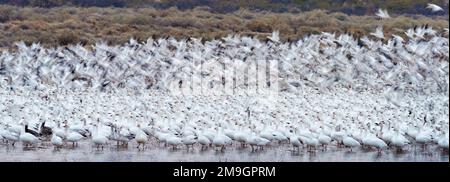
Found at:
[68, 25]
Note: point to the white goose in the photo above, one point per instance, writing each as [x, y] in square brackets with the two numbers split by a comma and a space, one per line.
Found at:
[189, 140]
[399, 141]
[99, 138]
[203, 140]
[28, 140]
[373, 141]
[74, 137]
[10, 137]
[434, 7]
[257, 141]
[350, 142]
[443, 141]
[424, 137]
[311, 143]
[324, 140]
[59, 131]
[219, 141]
[141, 139]
[295, 143]
[57, 141]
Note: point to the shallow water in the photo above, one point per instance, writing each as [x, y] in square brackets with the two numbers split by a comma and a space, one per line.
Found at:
[154, 152]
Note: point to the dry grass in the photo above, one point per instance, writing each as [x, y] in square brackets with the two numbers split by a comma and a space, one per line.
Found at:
[69, 25]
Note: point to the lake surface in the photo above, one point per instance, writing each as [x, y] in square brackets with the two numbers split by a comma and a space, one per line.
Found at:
[155, 152]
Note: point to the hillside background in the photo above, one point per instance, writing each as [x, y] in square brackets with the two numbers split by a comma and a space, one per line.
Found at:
[357, 7]
[62, 22]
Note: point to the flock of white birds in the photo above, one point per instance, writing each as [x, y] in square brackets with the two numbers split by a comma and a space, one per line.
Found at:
[375, 92]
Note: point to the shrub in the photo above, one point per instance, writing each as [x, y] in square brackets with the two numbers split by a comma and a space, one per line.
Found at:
[67, 37]
[70, 25]
[259, 26]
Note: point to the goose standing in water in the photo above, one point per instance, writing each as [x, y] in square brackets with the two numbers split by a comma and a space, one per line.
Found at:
[324, 140]
[10, 137]
[203, 140]
[296, 144]
[141, 139]
[220, 140]
[59, 131]
[443, 141]
[74, 138]
[399, 141]
[373, 141]
[173, 141]
[98, 138]
[383, 14]
[28, 139]
[57, 142]
[350, 142]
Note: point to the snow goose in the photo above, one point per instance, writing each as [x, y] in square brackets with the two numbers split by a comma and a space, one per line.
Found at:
[373, 141]
[378, 33]
[443, 141]
[203, 140]
[59, 131]
[262, 143]
[99, 138]
[324, 140]
[189, 140]
[338, 136]
[80, 128]
[162, 137]
[10, 137]
[350, 142]
[424, 137]
[434, 8]
[257, 141]
[267, 134]
[121, 135]
[241, 137]
[280, 137]
[74, 137]
[383, 14]
[15, 129]
[173, 141]
[141, 139]
[311, 143]
[56, 141]
[399, 141]
[412, 131]
[296, 144]
[28, 139]
[219, 141]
